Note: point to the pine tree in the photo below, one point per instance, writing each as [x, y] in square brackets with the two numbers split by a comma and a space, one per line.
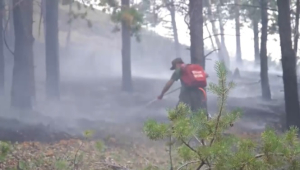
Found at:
[217, 151]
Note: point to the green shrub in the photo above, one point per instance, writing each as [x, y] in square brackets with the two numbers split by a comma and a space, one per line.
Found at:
[216, 151]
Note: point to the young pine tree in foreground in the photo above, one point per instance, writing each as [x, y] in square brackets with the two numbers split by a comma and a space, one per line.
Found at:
[215, 151]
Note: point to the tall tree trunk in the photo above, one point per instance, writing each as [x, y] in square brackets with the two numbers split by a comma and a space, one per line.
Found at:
[21, 86]
[296, 34]
[215, 31]
[68, 38]
[288, 59]
[11, 25]
[126, 48]
[2, 61]
[171, 9]
[223, 53]
[238, 53]
[265, 87]
[43, 8]
[255, 20]
[209, 34]
[224, 50]
[31, 55]
[196, 32]
[52, 47]
[256, 41]
[222, 32]
[196, 35]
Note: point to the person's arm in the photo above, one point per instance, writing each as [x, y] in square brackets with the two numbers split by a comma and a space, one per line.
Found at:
[166, 88]
[175, 77]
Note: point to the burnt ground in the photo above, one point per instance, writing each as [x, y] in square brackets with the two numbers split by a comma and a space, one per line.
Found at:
[99, 105]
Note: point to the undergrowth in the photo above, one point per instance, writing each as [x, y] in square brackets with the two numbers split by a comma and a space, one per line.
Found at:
[200, 142]
[49, 160]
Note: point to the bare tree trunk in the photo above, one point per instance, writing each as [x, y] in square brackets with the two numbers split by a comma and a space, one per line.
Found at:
[296, 34]
[11, 25]
[214, 29]
[288, 59]
[222, 32]
[126, 50]
[238, 53]
[210, 36]
[196, 35]
[43, 8]
[255, 21]
[9, 32]
[68, 39]
[2, 61]
[256, 41]
[265, 87]
[172, 11]
[196, 32]
[21, 86]
[215, 33]
[29, 12]
[223, 49]
[52, 47]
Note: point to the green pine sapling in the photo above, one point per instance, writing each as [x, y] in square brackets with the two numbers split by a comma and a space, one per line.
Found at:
[216, 151]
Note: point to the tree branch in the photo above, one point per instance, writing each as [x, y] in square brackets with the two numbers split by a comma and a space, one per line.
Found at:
[257, 157]
[251, 6]
[217, 35]
[211, 52]
[187, 163]
[197, 138]
[76, 154]
[170, 153]
[200, 166]
[187, 145]
[220, 113]
[211, 40]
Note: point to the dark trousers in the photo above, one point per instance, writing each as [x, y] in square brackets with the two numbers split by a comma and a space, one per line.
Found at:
[193, 98]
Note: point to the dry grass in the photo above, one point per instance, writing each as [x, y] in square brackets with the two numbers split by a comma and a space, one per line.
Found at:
[47, 156]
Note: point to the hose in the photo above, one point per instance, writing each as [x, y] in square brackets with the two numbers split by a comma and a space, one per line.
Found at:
[152, 101]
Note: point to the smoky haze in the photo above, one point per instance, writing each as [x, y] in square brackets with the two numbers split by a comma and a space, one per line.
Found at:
[90, 74]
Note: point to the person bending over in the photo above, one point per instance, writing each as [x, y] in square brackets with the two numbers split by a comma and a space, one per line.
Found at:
[193, 82]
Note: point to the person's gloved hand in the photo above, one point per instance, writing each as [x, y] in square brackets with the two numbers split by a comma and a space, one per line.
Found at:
[160, 97]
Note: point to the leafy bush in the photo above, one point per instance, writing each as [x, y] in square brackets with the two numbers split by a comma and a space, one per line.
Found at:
[217, 151]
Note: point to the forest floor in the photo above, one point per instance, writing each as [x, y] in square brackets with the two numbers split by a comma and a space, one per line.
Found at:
[55, 130]
[52, 134]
